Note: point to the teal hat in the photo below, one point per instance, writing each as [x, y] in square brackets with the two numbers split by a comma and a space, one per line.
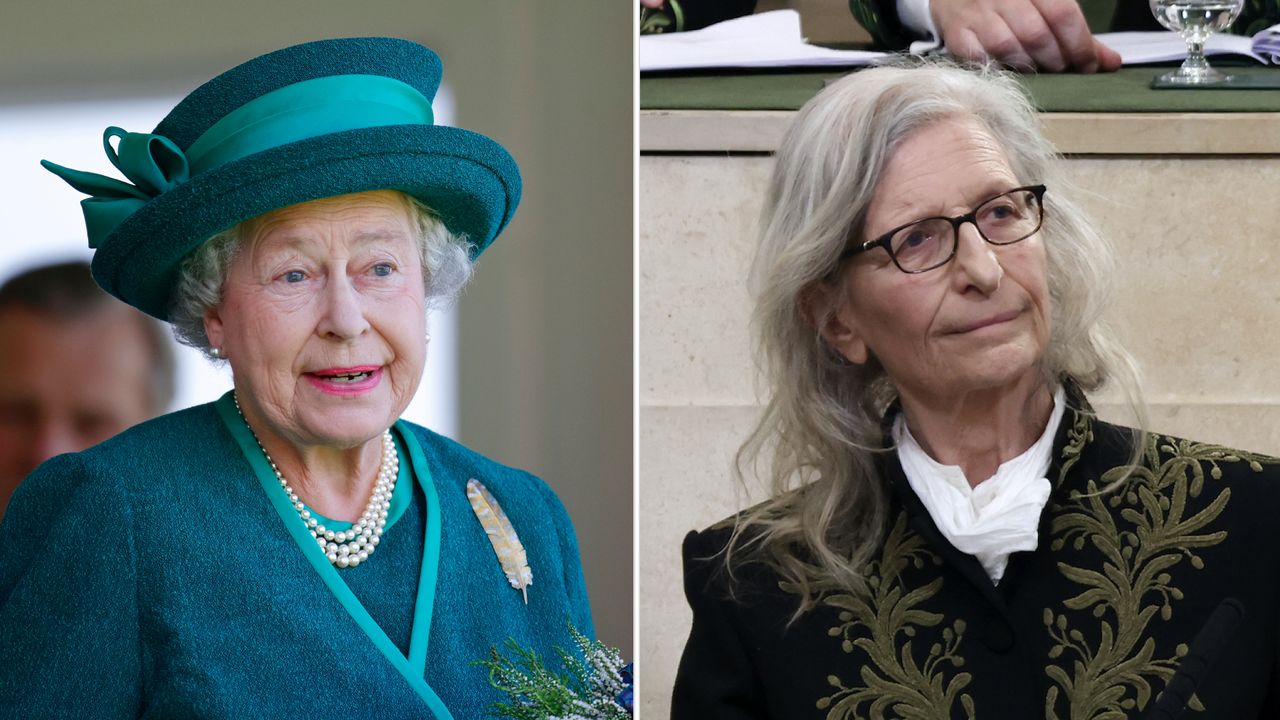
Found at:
[307, 122]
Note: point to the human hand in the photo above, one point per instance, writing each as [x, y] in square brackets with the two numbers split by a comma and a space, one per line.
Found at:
[1049, 35]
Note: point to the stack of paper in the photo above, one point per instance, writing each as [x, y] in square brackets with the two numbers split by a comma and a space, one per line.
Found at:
[1136, 48]
[1267, 44]
[771, 39]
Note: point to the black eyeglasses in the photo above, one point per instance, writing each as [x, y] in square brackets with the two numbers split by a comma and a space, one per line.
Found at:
[930, 243]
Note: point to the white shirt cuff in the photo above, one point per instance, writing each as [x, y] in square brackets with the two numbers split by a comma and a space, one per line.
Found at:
[915, 16]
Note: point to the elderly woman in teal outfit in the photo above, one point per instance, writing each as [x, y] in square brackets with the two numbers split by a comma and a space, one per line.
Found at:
[293, 548]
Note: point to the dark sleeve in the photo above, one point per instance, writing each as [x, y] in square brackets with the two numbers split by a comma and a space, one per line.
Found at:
[880, 18]
[716, 679]
[1257, 16]
[68, 598]
[683, 15]
[1271, 703]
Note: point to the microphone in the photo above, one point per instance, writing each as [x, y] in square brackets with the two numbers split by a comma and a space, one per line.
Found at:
[1203, 653]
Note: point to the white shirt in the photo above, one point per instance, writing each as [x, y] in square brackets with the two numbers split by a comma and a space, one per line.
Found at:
[915, 15]
[1001, 515]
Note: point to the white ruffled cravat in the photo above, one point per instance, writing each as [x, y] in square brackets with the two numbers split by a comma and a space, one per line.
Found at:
[1001, 515]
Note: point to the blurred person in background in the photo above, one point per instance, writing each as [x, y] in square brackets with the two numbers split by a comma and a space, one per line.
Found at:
[668, 16]
[1039, 35]
[76, 367]
[1032, 35]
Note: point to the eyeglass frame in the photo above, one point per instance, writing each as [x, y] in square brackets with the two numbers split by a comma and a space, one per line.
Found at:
[969, 217]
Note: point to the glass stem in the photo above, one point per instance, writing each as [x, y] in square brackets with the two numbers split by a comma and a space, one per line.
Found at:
[1195, 62]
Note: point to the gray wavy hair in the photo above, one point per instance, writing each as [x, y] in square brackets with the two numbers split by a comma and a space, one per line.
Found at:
[821, 429]
[446, 268]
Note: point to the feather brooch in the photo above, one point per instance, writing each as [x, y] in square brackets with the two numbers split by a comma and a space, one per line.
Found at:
[503, 536]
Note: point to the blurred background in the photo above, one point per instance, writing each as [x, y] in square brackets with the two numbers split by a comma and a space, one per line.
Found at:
[533, 368]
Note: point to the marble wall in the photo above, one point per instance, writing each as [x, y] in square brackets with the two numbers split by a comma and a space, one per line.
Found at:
[1198, 305]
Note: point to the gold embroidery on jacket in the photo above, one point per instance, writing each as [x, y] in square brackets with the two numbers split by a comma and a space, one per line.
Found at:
[1143, 530]
[888, 615]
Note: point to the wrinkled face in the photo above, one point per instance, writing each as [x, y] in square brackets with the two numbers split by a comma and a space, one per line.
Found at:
[980, 322]
[66, 385]
[323, 319]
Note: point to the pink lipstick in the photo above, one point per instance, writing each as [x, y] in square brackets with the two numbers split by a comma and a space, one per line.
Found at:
[346, 381]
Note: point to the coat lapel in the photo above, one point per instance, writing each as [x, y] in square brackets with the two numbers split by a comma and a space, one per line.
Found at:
[412, 668]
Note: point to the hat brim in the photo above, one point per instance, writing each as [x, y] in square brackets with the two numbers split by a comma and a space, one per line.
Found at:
[467, 179]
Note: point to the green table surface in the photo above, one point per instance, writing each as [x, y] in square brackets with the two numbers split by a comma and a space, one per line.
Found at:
[1127, 90]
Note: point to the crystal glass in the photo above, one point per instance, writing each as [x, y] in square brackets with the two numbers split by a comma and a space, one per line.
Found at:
[1195, 20]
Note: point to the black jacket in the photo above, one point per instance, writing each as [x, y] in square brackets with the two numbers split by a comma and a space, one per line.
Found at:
[1092, 624]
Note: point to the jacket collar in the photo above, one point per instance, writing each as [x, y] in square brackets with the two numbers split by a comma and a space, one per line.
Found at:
[1070, 438]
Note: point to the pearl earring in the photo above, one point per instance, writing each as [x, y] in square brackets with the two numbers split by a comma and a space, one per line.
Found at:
[215, 353]
[428, 337]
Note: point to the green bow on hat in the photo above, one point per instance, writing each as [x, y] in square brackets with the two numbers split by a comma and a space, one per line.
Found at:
[317, 120]
[152, 162]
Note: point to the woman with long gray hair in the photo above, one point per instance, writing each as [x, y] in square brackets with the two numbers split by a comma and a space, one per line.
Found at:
[952, 532]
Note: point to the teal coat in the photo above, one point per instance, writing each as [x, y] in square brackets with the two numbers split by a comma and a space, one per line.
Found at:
[151, 576]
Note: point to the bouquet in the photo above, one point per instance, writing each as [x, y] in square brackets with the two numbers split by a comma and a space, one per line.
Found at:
[593, 685]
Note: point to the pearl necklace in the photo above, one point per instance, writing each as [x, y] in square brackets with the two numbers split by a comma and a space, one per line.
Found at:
[347, 548]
